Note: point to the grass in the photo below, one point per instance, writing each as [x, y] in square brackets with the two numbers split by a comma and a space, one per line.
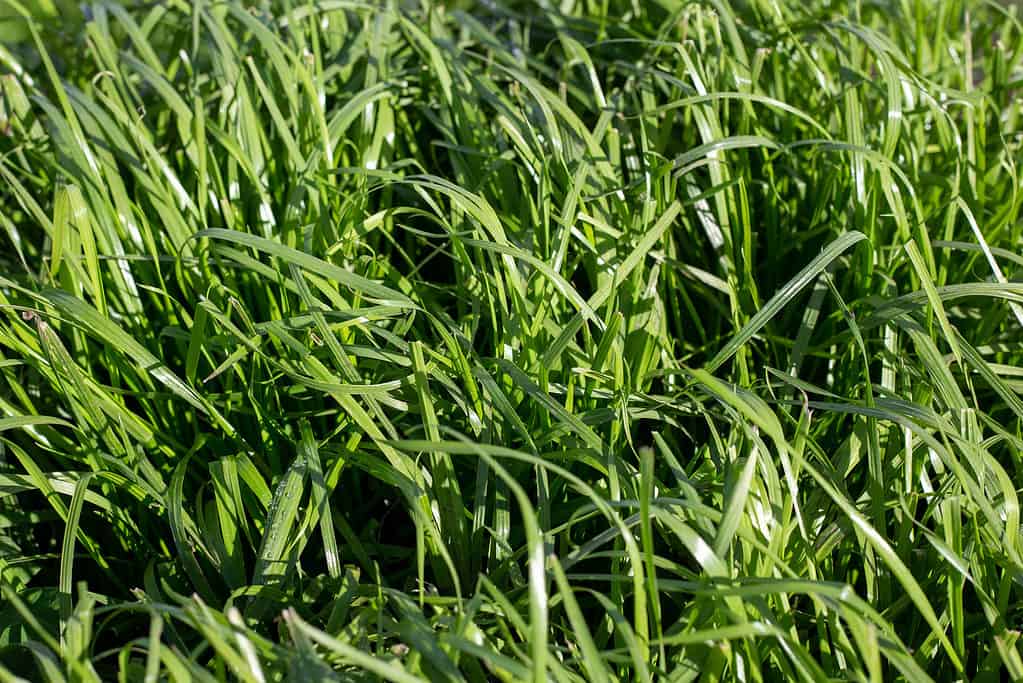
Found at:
[593, 340]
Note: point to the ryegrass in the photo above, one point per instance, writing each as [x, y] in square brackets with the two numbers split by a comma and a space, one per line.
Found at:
[583, 341]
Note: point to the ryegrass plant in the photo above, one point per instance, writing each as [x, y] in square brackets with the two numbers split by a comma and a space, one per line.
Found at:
[592, 340]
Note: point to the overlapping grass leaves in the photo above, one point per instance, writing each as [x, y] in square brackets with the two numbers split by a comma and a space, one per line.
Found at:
[616, 341]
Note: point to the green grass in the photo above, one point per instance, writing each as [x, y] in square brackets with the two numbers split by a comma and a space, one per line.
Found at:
[594, 340]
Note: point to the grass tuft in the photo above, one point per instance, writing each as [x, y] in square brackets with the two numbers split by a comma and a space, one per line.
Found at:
[598, 341]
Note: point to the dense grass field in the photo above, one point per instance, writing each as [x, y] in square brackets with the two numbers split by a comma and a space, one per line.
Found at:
[597, 340]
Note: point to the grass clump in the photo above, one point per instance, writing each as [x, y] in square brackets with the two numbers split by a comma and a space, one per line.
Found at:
[591, 341]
